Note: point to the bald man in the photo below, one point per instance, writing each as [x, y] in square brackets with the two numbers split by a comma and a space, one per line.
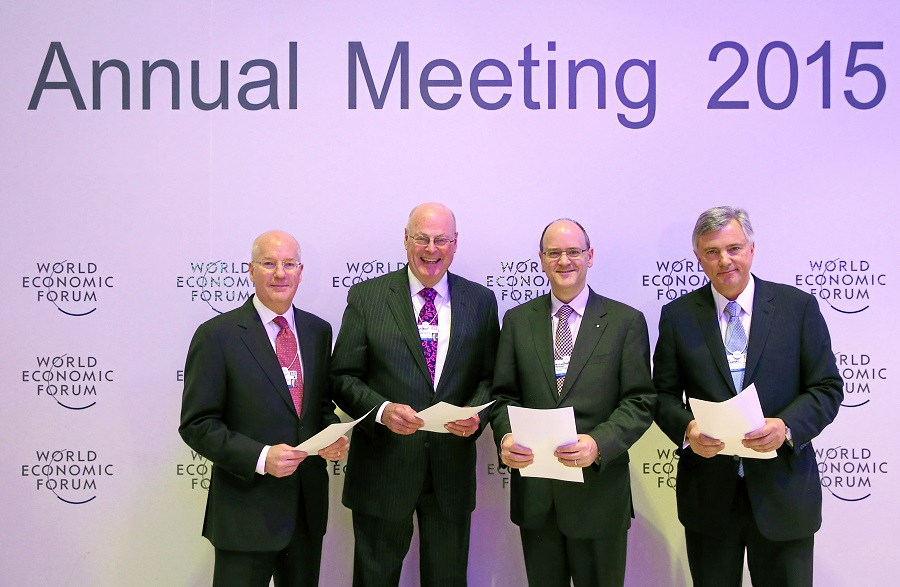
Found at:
[574, 348]
[411, 339]
[255, 385]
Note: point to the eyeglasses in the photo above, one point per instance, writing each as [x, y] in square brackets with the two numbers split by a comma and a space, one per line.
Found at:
[572, 254]
[439, 241]
[288, 266]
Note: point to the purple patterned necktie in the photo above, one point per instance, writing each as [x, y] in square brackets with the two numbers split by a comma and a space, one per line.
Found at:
[289, 358]
[428, 315]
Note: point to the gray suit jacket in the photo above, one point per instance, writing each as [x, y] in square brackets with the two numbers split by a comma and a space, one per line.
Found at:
[608, 385]
[378, 357]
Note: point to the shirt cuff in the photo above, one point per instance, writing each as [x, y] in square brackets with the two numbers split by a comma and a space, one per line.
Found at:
[381, 411]
[261, 461]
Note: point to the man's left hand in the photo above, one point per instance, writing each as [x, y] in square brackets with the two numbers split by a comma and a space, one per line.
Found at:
[336, 450]
[466, 427]
[769, 437]
[581, 454]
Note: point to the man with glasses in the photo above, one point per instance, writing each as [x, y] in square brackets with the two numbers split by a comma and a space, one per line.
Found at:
[573, 347]
[411, 339]
[256, 384]
[713, 342]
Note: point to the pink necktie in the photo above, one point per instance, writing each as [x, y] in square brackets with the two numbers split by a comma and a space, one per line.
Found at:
[286, 349]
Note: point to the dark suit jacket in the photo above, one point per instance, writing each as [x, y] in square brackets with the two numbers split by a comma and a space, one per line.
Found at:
[235, 402]
[790, 360]
[608, 385]
[378, 357]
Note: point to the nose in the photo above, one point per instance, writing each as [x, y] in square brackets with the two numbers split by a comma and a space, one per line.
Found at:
[279, 270]
[563, 262]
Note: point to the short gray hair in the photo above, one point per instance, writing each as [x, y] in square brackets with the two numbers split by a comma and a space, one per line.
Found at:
[717, 218]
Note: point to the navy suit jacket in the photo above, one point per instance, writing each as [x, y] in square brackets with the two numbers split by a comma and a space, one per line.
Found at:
[608, 385]
[790, 360]
[235, 402]
[378, 357]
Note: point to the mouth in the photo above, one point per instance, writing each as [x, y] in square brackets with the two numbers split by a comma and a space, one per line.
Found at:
[429, 261]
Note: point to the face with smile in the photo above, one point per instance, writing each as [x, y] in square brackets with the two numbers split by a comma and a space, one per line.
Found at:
[567, 276]
[429, 262]
[275, 286]
[726, 257]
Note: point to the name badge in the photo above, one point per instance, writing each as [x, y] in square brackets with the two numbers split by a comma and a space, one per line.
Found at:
[737, 361]
[560, 366]
[428, 332]
[290, 376]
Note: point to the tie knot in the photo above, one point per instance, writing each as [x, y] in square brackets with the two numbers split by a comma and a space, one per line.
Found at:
[281, 322]
[564, 312]
[429, 294]
[732, 309]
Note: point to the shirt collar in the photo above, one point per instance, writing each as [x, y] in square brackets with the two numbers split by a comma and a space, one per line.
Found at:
[578, 303]
[442, 287]
[267, 315]
[744, 300]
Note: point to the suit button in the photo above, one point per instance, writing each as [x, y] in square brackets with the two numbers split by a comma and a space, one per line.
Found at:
[426, 445]
[735, 457]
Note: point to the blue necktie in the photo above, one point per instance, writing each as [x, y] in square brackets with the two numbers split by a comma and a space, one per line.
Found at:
[735, 341]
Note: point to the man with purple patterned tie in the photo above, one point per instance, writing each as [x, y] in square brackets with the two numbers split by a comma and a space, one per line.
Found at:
[574, 348]
[408, 340]
[256, 384]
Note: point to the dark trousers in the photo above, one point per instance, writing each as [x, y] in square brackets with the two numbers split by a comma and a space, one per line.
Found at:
[382, 544]
[718, 561]
[555, 560]
[295, 566]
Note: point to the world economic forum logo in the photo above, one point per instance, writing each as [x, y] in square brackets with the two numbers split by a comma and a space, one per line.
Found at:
[71, 381]
[850, 473]
[221, 285]
[74, 476]
[846, 286]
[73, 287]
[355, 272]
[673, 278]
[864, 377]
[517, 282]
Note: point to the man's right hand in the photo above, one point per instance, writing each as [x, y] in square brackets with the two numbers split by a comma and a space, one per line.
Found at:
[401, 419]
[701, 444]
[282, 460]
[513, 455]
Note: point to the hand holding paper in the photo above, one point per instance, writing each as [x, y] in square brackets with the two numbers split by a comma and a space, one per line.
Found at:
[730, 420]
[544, 431]
[441, 413]
[328, 436]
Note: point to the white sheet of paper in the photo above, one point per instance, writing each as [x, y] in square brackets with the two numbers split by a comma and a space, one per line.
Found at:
[328, 435]
[543, 431]
[442, 413]
[728, 421]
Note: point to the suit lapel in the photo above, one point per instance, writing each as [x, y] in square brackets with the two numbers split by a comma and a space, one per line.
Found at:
[760, 325]
[593, 324]
[542, 337]
[307, 356]
[257, 342]
[708, 322]
[461, 320]
[400, 304]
